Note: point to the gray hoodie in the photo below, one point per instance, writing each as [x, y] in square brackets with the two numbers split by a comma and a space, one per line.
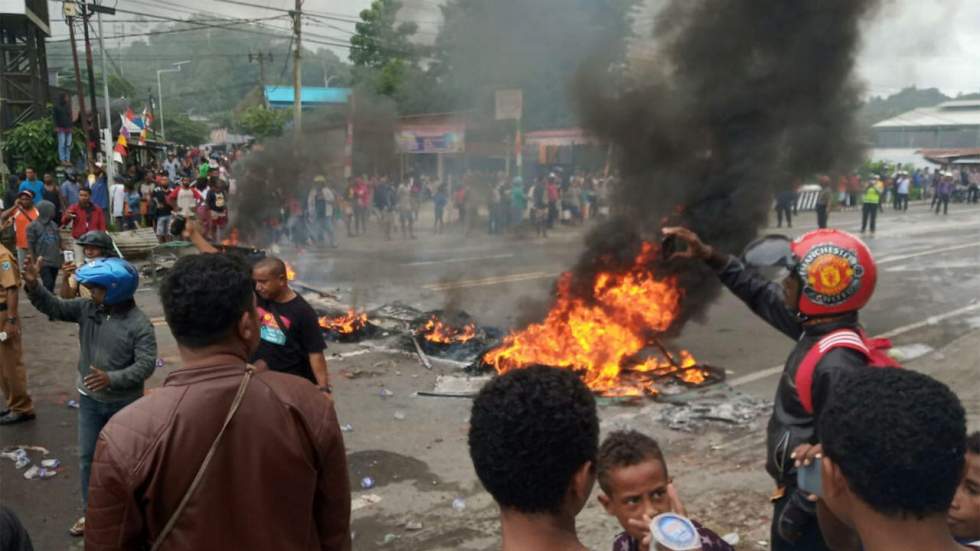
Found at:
[117, 339]
[43, 237]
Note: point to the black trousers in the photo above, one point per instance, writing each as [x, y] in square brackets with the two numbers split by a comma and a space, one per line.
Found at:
[942, 201]
[812, 539]
[784, 210]
[973, 194]
[869, 213]
[48, 276]
[902, 201]
[821, 216]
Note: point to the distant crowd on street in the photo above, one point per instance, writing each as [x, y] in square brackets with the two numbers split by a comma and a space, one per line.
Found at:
[478, 201]
[871, 194]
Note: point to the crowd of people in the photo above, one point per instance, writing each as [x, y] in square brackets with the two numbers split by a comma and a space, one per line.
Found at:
[249, 412]
[873, 193]
[478, 201]
[149, 196]
[898, 470]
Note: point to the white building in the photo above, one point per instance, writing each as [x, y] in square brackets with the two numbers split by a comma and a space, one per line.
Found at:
[952, 125]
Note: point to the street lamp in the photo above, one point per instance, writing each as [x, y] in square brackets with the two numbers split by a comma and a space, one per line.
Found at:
[176, 69]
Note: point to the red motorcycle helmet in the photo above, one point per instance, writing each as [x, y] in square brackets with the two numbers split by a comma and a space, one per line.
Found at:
[835, 268]
[837, 271]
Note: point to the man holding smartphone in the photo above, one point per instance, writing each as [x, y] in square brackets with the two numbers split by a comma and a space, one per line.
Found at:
[817, 285]
[118, 348]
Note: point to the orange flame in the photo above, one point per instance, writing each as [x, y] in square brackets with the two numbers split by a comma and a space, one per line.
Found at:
[601, 337]
[436, 331]
[290, 272]
[346, 324]
[232, 238]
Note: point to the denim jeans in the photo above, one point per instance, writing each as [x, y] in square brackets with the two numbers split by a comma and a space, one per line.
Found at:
[92, 416]
[326, 225]
[49, 274]
[64, 145]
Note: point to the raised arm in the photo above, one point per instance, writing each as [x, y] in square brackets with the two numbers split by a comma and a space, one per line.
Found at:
[42, 299]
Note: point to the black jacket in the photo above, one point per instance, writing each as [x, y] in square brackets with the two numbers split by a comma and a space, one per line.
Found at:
[790, 425]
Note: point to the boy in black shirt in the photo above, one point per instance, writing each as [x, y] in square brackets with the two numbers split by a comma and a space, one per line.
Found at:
[291, 339]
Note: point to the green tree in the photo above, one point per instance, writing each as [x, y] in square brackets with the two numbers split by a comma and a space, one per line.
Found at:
[34, 144]
[261, 122]
[386, 61]
[182, 130]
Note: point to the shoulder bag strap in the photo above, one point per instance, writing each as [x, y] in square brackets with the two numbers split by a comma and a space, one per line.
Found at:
[167, 528]
[844, 338]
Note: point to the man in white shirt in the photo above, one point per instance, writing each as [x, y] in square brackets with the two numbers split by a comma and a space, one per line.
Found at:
[902, 195]
[117, 193]
[171, 165]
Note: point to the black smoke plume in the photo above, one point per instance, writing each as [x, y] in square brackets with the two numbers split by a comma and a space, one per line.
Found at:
[741, 96]
[281, 169]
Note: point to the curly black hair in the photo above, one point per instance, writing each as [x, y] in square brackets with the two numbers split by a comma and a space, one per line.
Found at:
[899, 438]
[625, 448]
[973, 443]
[204, 296]
[530, 431]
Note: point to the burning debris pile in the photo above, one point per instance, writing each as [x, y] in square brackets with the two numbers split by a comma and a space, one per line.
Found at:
[351, 326]
[454, 335]
[611, 336]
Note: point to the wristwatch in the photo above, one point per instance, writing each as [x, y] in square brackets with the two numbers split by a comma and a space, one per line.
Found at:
[326, 388]
[11, 319]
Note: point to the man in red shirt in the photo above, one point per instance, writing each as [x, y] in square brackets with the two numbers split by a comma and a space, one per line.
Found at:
[84, 216]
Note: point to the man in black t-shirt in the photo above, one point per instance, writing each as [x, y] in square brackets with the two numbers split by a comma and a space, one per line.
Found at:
[163, 208]
[291, 339]
[217, 203]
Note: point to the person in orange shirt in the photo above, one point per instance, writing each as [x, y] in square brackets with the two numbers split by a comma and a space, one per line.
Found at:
[21, 215]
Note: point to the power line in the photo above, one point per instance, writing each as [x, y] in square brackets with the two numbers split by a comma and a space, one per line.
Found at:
[228, 26]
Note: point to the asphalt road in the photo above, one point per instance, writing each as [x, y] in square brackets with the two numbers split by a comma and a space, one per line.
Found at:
[928, 285]
[928, 269]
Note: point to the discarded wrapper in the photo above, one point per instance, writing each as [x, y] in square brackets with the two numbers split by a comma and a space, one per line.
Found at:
[18, 456]
[38, 472]
[50, 463]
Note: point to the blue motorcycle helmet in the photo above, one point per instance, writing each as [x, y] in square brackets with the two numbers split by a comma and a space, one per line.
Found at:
[115, 275]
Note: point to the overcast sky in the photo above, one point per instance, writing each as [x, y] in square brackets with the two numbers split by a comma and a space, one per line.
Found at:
[909, 42]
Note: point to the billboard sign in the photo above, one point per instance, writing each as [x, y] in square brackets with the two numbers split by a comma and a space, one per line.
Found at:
[413, 139]
[509, 104]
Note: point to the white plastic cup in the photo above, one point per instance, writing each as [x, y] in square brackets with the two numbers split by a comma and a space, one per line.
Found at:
[672, 532]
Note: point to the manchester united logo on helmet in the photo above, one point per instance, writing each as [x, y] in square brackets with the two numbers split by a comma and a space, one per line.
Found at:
[832, 274]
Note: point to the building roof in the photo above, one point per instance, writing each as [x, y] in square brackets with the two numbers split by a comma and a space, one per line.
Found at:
[950, 113]
[560, 137]
[282, 96]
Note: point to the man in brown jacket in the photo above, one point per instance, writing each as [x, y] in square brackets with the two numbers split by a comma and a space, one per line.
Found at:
[277, 478]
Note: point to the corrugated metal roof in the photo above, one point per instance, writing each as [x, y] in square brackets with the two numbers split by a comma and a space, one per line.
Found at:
[950, 113]
[310, 95]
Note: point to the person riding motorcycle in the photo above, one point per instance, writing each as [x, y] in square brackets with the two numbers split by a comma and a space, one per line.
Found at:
[817, 284]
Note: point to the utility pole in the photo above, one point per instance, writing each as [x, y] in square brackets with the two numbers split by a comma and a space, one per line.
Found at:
[71, 7]
[110, 168]
[261, 58]
[91, 71]
[298, 69]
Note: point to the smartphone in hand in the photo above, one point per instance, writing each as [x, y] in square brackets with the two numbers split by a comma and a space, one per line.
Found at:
[809, 478]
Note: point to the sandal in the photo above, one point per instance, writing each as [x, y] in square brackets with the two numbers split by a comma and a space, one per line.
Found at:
[78, 529]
